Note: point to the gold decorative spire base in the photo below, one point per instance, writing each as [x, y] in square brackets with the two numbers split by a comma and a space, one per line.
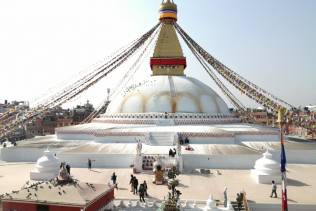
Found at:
[168, 57]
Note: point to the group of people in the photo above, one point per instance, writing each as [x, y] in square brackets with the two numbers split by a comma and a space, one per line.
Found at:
[239, 200]
[183, 141]
[64, 173]
[240, 196]
[173, 152]
[66, 166]
[140, 189]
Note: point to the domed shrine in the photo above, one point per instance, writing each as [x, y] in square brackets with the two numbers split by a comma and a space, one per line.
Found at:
[46, 167]
[266, 169]
[165, 111]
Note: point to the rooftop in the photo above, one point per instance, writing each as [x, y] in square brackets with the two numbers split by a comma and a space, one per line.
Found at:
[75, 193]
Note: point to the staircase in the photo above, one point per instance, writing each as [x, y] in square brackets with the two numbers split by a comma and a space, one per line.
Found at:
[235, 206]
[161, 138]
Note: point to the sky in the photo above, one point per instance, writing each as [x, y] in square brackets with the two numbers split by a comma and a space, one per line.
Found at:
[45, 45]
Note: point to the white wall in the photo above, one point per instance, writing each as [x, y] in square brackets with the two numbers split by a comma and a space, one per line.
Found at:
[256, 138]
[62, 136]
[212, 140]
[118, 139]
[297, 156]
[17, 154]
[277, 207]
[12, 154]
[301, 156]
[219, 161]
[100, 160]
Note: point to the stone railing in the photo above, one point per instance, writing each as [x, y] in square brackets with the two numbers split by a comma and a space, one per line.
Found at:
[167, 115]
[101, 133]
[177, 118]
[153, 205]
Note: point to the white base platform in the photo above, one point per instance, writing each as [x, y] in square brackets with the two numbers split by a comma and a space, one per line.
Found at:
[41, 176]
[265, 179]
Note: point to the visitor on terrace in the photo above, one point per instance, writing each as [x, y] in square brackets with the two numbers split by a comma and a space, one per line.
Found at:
[145, 188]
[135, 184]
[131, 182]
[141, 193]
[113, 178]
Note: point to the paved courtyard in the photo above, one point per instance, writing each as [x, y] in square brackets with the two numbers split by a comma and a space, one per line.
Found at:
[301, 189]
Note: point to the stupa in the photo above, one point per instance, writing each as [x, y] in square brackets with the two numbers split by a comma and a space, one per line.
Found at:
[165, 107]
[46, 168]
[266, 169]
[158, 112]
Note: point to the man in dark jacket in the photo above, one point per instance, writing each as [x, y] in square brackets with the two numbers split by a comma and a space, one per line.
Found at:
[68, 168]
[131, 182]
[145, 188]
[135, 185]
[113, 178]
[141, 193]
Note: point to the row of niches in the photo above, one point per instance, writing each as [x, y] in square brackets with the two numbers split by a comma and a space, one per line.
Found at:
[169, 121]
[148, 162]
[167, 67]
[167, 116]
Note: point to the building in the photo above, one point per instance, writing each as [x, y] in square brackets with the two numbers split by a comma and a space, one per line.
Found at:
[80, 113]
[49, 196]
[261, 116]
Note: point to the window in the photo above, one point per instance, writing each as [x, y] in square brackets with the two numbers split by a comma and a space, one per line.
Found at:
[42, 207]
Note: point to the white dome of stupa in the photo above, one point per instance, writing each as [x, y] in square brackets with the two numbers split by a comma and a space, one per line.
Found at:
[266, 169]
[172, 94]
[46, 168]
[267, 165]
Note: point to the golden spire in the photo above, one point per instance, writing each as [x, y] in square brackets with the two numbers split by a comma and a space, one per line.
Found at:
[168, 57]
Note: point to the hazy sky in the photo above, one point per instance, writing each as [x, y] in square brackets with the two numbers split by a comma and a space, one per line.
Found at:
[45, 44]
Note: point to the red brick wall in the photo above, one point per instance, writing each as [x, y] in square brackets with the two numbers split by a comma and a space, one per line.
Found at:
[32, 207]
[59, 208]
[18, 206]
[101, 201]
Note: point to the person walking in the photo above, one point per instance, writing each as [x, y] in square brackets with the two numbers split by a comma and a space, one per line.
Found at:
[113, 178]
[225, 197]
[135, 185]
[274, 189]
[141, 192]
[131, 182]
[170, 153]
[68, 168]
[89, 164]
[145, 188]
[239, 201]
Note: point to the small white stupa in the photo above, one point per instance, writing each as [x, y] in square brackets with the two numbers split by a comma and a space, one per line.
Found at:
[211, 205]
[266, 169]
[46, 168]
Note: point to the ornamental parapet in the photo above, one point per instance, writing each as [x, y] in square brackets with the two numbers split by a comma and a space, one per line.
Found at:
[177, 118]
[105, 132]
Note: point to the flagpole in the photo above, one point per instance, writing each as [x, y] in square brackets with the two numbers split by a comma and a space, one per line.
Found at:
[281, 120]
